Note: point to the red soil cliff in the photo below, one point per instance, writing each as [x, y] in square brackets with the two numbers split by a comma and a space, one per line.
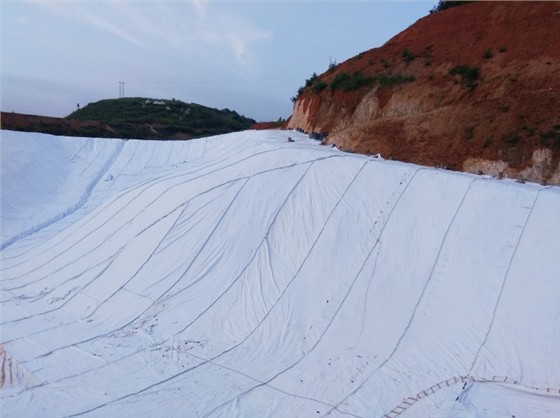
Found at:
[496, 112]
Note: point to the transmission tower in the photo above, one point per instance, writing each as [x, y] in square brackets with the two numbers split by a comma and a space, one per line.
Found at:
[121, 89]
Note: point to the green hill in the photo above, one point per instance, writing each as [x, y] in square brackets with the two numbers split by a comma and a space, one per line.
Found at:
[135, 117]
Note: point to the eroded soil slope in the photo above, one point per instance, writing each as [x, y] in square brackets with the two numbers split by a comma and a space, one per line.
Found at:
[474, 88]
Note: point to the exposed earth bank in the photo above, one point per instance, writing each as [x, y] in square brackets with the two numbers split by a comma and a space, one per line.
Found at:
[55, 126]
[473, 88]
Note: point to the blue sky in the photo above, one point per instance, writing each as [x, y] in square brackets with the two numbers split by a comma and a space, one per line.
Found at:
[248, 56]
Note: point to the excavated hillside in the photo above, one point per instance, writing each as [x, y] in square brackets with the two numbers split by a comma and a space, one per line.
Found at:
[473, 88]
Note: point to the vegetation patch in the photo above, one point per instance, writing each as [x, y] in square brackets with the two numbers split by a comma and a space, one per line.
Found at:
[528, 130]
[318, 86]
[427, 55]
[408, 56]
[511, 138]
[388, 80]
[446, 4]
[332, 64]
[487, 54]
[309, 82]
[468, 74]
[351, 81]
[551, 138]
[135, 117]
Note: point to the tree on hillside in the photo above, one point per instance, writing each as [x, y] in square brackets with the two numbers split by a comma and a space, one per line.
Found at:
[447, 4]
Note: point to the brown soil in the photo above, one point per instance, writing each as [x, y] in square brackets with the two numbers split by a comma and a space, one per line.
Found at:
[506, 122]
[267, 125]
[56, 126]
[97, 129]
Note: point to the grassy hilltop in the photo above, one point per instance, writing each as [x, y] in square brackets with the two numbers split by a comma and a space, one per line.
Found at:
[135, 118]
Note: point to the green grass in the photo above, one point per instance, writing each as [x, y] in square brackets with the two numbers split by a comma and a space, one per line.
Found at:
[356, 80]
[388, 80]
[351, 81]
[318, 85]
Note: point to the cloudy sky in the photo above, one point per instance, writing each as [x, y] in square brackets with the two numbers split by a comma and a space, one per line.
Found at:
[248, 56]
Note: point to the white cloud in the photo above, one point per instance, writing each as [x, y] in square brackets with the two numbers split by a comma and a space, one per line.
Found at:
[199, 7]
[202, 29]
[91, 15]
[216, 29]
[240, 44]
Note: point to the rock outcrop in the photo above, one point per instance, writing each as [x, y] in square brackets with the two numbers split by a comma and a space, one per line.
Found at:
[473, 88]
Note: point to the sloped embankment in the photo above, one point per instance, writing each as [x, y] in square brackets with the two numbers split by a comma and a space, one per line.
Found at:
[244, 275]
